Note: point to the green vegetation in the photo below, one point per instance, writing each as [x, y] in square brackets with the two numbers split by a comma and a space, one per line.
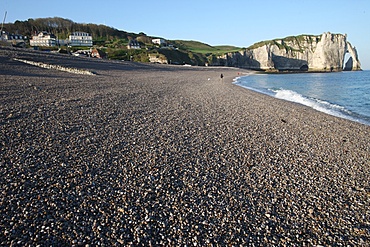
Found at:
[127, 55]
[227, 48]
[202, 48]
[259, 44]
[63, 27]
[284, 42]
[114, 42]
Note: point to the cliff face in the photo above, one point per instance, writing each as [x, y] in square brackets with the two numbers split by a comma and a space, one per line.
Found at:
[324, 52]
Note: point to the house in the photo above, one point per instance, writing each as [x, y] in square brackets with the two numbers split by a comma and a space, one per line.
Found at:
[75, 39]
[159, 41]
[5, 36]
[43, 39]
[133, 44]
[13, 39]
[80, 39]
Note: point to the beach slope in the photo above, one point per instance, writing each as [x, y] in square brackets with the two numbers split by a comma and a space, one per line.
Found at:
[140, 154]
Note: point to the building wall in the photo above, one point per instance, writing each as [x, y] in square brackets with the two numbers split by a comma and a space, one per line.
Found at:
[80, 39]
[159, 41]
[43, 39]
[75, 39]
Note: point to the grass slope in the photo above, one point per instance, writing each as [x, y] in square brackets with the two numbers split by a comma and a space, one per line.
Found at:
[199, 47]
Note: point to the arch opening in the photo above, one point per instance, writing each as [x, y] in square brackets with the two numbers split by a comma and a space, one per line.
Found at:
[347, 62]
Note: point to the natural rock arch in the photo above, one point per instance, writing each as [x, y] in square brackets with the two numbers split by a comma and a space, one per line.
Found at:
[351, 56]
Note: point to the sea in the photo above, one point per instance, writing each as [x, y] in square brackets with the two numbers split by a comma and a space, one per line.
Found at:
[342, 94]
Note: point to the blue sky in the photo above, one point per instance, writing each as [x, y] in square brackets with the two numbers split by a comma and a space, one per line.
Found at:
[232, 22]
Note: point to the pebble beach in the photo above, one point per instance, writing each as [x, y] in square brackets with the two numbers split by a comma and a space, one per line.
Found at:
[131, 154]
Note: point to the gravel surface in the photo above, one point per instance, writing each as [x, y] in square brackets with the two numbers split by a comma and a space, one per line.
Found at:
[153, 155]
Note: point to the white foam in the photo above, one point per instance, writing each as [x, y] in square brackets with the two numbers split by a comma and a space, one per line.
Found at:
[236, 79]
[316, 104]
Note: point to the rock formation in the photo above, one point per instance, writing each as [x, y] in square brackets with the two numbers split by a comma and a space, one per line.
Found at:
[324, 52]
[353, 62]
[158, 58]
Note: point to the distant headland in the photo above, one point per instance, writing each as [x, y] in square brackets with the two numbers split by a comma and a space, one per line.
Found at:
[317, 53]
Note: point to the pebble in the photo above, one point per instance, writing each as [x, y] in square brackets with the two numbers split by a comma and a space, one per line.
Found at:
[154, 155]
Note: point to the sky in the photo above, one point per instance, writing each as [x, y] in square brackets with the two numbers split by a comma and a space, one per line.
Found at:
[228, 22]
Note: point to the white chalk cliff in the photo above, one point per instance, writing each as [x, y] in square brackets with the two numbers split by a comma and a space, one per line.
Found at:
[324, 52]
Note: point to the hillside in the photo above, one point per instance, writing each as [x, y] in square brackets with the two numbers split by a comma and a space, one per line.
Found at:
[202, 48]
[114, 42]
[63, 27]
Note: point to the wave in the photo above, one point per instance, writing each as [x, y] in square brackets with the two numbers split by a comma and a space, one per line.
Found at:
[317, 104]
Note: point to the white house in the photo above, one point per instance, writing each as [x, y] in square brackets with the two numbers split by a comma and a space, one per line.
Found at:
[159, 41]
[80, 39]
[43, 39]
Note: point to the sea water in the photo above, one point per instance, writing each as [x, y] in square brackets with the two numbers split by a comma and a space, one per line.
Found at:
[342, 94]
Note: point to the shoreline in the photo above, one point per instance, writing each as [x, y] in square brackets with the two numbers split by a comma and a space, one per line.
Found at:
[142, 154]
[334, 113]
